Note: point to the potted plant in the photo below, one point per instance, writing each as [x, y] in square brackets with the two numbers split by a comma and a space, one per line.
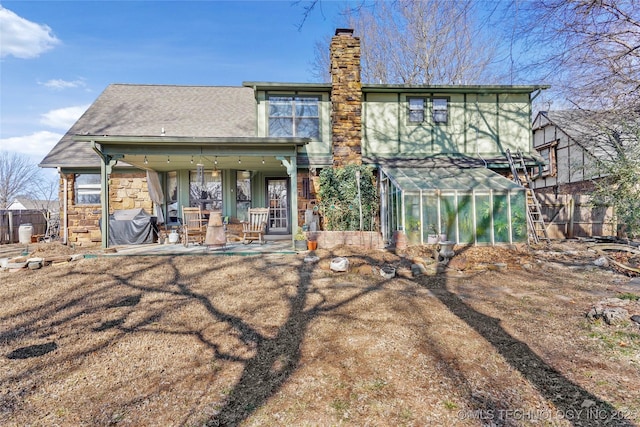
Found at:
[300, 240]
[312, 241]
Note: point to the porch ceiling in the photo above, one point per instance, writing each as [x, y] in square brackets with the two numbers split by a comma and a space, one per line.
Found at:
[172, 153]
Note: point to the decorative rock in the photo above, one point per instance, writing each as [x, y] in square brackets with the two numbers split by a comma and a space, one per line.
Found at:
[34, 265]
[311, 258]
[636, 318]
[595, 313]
[339, 264]
[388, 272]
[16, 265]
[601, 262]
[613, 316]
[587, 403]
[76, 257]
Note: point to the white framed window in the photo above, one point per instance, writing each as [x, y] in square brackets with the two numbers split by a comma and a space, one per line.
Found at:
[440, 111]
[87, 189]
[416, 110]
[294, 116]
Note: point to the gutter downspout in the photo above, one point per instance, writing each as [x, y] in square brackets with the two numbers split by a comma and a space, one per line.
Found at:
[65, 204]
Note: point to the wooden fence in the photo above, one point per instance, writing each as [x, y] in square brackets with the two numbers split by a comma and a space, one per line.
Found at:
[10, 222]
[568, 216]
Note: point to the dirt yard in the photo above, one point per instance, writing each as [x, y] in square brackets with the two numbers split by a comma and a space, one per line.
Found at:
[501, 337]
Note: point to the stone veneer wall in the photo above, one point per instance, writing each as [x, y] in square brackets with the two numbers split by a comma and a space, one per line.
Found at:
[346, 98]
[126, 191]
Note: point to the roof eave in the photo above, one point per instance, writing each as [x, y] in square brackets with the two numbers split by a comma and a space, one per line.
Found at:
[185, 141]
[454, 88]
[311, 87]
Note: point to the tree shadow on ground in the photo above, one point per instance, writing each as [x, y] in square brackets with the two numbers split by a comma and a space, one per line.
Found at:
[573, 403]
[277, 358]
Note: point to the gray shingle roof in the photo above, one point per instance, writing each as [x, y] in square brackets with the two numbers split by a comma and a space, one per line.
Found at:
[144, 110]
[581, 124]
[600, 133]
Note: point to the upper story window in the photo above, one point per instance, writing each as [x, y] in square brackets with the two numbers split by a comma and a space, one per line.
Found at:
[416, 110]
[548, 153]
[440, 110]
[297, 116]
[87, 189]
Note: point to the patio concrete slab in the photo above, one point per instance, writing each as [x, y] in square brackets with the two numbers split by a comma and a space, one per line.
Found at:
[271, 246]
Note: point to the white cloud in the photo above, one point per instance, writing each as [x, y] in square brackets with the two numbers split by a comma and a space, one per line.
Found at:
[63, 118]
[60, 84]
[36, 145]
[22, 38]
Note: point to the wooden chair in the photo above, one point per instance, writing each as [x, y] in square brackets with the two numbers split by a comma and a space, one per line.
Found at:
[194, 227]
[255, 228]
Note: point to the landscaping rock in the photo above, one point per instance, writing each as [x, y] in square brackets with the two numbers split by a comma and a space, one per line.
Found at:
[339, 264]
[311, 258]
[614, 316]
[636, 318]
[388, 272]
[12, 265]
[601, 262]
[34, 265]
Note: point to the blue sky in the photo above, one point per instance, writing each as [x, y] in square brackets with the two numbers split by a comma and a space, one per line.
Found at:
[58, 56]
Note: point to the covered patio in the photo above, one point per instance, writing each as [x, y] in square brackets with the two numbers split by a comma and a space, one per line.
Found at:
[219, 160]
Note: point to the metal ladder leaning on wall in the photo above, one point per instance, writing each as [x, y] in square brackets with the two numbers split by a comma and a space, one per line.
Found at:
[536, 226]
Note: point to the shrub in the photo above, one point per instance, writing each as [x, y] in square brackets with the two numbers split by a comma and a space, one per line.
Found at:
[339, 204]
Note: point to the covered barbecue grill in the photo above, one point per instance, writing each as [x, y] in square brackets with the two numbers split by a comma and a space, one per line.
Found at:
[132, 227]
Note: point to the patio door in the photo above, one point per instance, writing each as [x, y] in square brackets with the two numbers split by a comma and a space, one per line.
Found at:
[278, 202]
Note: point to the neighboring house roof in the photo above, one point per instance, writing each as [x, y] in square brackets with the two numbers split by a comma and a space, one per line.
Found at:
[597, 132]
[147, 110]
[22, 204]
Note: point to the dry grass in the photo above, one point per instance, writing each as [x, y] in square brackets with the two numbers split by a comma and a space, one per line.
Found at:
[271, 340]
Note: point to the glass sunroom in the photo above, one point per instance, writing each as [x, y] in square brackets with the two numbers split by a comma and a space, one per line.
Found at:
[464, 205]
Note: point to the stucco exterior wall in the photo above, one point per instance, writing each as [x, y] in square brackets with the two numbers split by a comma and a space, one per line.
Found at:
[478, 124]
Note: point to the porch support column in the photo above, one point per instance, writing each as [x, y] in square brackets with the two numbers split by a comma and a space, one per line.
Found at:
[106, 164]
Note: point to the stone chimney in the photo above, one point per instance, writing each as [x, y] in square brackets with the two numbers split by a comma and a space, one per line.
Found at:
[346, 98]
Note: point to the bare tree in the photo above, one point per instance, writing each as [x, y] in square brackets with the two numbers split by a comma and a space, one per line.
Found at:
[418, 42]
[589, 50]
[18, 176]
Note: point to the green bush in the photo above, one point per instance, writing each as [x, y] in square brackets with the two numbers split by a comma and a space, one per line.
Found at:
[338, 196]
